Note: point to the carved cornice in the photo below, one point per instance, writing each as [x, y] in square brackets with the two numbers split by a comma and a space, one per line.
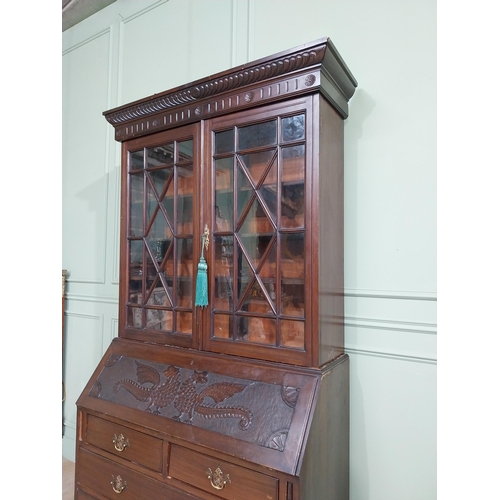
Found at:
[209, 95]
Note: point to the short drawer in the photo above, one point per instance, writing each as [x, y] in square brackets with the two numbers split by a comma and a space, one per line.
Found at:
[227, 480]
[102, 476]
[126, 443]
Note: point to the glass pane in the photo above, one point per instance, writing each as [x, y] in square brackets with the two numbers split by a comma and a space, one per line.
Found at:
[224, 194]
[267, 270]
[260, 329]
[168, 263]
[292, 334]
[134, 317]
[259, 135]
[159, 231]
[224, 141]
[185, 203]
[159, 319]
[185, 257]
[152, 280]
[292, 255]
[245, 190]
[245, 274]
[257, 163]
[184, 292]
[136, 160]
[160, 156]
[223, 326]
[292, 299]
[293, 164]
[256, 221]
[292, 274]
[158, 179]
[185, 149]
[223, 272]
[135, 266]
[185, 180]
[184, 322]
[292, 128]
[159, 296]
[269, 190]
[168, 201]
[136, 204]
[292, 205]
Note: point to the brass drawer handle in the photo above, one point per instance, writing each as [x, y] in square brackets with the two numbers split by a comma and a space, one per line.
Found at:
[217, 478]
[120, 442]
[118, 484]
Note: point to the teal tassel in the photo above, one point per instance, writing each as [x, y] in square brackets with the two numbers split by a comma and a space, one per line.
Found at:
[202, 278]
[202, 284]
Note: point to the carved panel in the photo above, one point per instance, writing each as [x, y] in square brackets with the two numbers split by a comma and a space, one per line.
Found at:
[249, 410]
[217, 105]
[239, 78]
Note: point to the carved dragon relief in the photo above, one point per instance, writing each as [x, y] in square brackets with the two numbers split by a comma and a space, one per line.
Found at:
[251, 410]
[184, 396]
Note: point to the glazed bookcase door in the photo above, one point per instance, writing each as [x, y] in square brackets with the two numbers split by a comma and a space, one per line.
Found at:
[161, 219]
[259, 229]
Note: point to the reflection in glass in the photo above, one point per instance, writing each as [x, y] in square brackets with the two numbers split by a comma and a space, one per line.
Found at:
[160, 156]
[224, 141]
[292, 334]
[292, 128]
[184, 322]
[158, 179]
[159, 319]
[168, 200]
[223, 326]
[185, 149]
[223, 272]
[258, 135]
[136, 160]
[135, 266]
[245, 190]
[134, 317]
[224, 193]
[185, 203]
[292, 255]
[244, 274]
[257, 163]
[159, 230]
[136, 204]
[292, 190]
[260, 329]
[269, 189]
[256, 220]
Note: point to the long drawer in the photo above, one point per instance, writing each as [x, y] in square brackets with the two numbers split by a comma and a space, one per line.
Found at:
[222, 479]
[126, 443]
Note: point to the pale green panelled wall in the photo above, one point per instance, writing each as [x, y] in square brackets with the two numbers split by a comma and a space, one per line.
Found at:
[133, 49]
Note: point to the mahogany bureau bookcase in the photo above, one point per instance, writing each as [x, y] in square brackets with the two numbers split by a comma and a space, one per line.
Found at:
[228, 378]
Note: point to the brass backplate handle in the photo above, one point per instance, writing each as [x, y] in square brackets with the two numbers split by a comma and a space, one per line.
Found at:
[118, 484]
[120, 442]
[217, 478]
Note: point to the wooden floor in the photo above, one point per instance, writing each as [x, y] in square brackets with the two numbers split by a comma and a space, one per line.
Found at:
[68, 479]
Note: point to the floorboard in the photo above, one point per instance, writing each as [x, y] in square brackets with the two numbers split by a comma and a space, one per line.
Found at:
[68, 479]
